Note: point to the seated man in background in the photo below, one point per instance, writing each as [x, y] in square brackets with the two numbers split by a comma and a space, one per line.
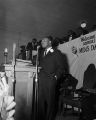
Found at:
[6, 101]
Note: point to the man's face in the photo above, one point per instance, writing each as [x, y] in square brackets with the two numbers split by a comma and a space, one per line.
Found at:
[45, 43]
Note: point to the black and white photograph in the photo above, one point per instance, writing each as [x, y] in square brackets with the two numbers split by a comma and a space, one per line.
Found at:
[47, 59]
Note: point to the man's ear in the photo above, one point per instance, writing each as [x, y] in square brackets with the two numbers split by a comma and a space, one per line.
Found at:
[50, 42]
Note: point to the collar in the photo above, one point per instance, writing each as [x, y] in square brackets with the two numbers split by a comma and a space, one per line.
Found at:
[48, 49]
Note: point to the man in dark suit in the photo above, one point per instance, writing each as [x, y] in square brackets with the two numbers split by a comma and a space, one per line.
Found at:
[7, 103]
[52, 68]
[31, 46]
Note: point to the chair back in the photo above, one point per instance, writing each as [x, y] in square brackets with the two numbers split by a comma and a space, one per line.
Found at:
[89, 80]
[69, 84]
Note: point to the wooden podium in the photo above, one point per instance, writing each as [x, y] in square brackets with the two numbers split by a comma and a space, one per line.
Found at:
[24, 77]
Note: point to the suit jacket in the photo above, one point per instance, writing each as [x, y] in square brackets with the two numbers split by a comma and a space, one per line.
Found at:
[52, 64]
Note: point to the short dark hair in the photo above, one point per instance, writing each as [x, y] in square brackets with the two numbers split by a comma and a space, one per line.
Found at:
[50, 38]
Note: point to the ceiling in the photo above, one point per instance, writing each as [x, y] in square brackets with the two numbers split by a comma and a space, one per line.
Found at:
[37, 18]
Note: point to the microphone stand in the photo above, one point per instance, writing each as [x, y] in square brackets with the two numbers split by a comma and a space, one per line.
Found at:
[36, 89]
[13, 70]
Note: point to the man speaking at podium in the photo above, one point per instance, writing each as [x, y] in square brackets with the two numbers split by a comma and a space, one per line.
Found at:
[52, 67]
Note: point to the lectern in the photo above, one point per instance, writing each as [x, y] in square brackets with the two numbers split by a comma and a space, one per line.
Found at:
[23, 88]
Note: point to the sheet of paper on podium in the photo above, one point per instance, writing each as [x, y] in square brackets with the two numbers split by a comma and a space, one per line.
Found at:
[20, 62]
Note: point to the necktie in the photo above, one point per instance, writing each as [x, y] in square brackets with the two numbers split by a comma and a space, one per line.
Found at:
[45, 52]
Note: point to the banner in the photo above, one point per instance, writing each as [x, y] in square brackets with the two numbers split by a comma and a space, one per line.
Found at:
[81, 53]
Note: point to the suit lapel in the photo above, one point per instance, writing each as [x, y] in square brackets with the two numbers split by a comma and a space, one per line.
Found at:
[49, 53]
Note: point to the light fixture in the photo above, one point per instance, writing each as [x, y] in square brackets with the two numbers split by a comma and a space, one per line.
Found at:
[83, 24]
[5, 54]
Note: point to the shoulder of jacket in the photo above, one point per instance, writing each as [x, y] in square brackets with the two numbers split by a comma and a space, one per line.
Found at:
[56, 50]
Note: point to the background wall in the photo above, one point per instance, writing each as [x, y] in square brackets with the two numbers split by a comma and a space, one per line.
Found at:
[22, 20]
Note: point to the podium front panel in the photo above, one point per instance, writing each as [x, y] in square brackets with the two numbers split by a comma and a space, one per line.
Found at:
[23, 90]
